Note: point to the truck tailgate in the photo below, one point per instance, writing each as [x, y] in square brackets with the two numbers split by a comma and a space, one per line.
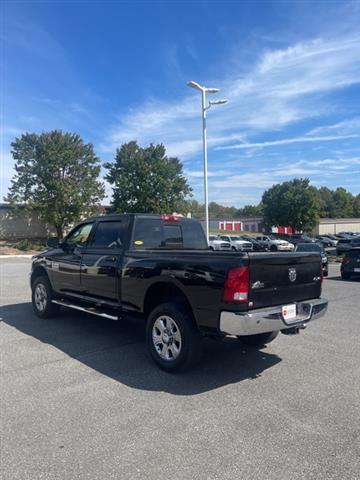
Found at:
[282, 278]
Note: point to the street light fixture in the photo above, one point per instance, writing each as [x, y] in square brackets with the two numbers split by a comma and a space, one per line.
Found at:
[204, 91]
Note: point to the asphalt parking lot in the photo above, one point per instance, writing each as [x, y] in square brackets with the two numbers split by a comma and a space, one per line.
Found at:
[80, 398]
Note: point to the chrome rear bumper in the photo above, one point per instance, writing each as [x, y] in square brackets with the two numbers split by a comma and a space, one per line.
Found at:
[270, 319]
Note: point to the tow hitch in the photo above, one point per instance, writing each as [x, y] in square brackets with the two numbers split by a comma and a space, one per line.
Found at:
[293, 330]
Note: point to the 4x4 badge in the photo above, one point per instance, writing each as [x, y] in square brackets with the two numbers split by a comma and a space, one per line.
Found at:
[292, 274]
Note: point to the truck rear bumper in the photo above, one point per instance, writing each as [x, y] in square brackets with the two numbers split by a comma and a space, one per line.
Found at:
[270, 319]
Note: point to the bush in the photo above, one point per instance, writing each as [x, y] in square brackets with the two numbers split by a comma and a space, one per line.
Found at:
[23, 244]
[26, 244]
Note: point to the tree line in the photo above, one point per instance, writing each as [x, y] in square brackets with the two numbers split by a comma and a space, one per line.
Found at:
[58, 175]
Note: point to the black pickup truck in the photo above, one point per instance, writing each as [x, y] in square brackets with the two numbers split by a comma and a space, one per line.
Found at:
[160, 267]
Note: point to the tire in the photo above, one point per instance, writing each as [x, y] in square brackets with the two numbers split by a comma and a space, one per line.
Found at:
[233, 249]
[41, 297]
[259, 340]
[170, 329]
[345, 276]
[212, 248]
[273, 248]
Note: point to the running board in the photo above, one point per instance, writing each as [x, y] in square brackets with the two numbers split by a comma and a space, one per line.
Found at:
[91, 310]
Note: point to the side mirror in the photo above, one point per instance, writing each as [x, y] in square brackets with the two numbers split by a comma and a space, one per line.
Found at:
[52, 242]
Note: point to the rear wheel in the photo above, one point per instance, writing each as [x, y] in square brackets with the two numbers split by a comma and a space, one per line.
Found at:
[42, 295]
[173, 340]
[259, 340]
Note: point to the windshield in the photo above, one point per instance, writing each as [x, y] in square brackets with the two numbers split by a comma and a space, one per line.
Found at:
[213, 237]
[309, 247]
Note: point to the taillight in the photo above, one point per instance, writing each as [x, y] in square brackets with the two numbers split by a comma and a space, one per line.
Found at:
[237, 285]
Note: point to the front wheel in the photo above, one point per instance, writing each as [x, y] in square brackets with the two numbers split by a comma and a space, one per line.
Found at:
[258, 340]
[173, 340]
[345, 276]
[41, 297]
[273, 248]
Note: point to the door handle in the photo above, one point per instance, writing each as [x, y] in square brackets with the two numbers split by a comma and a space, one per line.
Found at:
[110, 259]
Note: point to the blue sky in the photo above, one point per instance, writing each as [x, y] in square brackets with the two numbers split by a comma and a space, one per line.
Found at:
[116, 71]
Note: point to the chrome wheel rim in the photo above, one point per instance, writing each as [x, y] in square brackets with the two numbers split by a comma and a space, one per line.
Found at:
[166, 338]
[40, 297]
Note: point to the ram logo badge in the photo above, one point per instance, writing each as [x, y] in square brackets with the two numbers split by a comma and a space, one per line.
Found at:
[292, 274]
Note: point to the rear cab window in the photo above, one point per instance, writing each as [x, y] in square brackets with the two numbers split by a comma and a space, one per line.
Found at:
[152, 233]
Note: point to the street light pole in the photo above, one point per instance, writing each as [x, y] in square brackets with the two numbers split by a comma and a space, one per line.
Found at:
[206, 192]
[204, 108]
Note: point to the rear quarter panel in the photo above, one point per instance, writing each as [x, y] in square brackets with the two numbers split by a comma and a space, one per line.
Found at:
[200, 275]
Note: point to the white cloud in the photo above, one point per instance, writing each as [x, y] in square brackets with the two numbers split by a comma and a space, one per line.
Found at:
[282, 88]
[346, 127]
[288, 141]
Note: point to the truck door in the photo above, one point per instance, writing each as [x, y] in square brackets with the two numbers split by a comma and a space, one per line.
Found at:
[101, 261]
[65, 265]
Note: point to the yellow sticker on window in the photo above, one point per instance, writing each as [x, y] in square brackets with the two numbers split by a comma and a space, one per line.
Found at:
[138, 242]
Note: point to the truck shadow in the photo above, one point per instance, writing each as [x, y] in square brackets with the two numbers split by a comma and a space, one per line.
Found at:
[339, 279]
[118, 350]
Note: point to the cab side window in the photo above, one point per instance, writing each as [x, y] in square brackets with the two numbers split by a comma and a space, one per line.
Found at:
[80, 236]
[108, 235]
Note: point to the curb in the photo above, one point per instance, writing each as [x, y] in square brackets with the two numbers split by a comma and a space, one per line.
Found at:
[16, 256]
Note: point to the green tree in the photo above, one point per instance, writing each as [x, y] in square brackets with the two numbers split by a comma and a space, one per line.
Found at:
[326, 202]
[356, 206]
[196, 209]
[250, 211]
[293, 203]
[57, 175]
[343, 204]
[146, 180]
[221, 212]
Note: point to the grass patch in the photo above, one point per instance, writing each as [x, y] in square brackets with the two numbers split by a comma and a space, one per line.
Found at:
[215, 231]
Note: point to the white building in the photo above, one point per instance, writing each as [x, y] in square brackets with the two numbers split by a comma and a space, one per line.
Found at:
[337, 225]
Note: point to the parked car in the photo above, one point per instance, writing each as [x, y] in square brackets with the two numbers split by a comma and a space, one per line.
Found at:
[215, 243]
[345, 244]
[332, 237]
[350, 265]
[237, 243]
[315, 247]
[257, 246]
[348, 234]
[275, 244]
[159, 267]
[326, 242]
[296, 238]
[342, 235]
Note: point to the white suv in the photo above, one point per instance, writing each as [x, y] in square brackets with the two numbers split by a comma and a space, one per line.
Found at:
[215, 243]
[237, 243]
